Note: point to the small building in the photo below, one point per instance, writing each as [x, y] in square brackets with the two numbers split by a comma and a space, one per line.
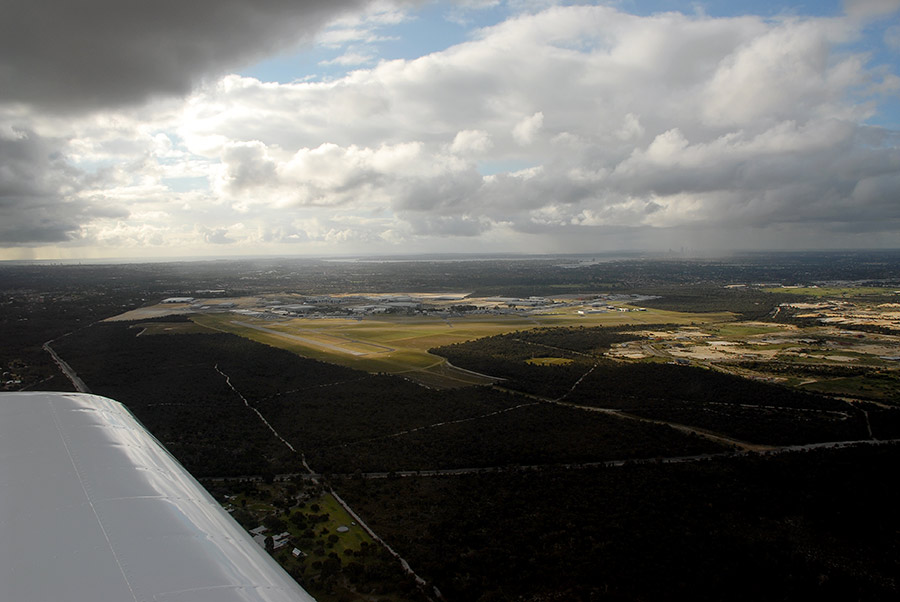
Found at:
[404, 304]
[281, 540]
[295, 309]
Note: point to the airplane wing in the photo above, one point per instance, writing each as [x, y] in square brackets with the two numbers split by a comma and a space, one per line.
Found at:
[94, 509]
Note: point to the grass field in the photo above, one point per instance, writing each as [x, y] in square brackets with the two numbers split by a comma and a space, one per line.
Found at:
[156, 328]
[550, 361]
[337, 517]
[884, 389]
[317, 540]
[743, 329]
[400, 344]
[826, 291]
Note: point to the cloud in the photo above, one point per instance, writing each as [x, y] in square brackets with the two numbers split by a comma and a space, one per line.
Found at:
[363, 26]
[871, 8]
[445, 226]
[476, 4]
[471, 142]
[247, 165]
[773, 76]
[461, 11]
[631, 122]
[892, 37]
[525, 131]
[597, 127]
[218, 236]
[39, 192]
[74, 56]
[401, 176]
[350, 59]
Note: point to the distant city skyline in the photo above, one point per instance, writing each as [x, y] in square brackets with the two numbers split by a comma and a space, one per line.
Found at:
[352, 127]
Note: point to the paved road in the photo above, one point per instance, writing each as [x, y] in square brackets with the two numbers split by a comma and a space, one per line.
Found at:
[450, 472]
[66, 369]
[743, 445]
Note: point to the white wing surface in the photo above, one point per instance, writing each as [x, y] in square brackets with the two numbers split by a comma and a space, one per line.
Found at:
[94, 509]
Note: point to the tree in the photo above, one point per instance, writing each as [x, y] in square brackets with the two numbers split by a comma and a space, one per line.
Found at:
[274, 523]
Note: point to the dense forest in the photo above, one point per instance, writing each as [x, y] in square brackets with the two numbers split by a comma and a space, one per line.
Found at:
[745, 409]
[748, 303]
[537, 511]
[536, 434]
[343, 420]
[814, 526]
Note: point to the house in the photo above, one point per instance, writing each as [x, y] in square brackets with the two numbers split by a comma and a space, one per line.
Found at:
[281, 540]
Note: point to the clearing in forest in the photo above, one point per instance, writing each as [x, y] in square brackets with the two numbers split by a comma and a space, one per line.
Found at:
[399, 344]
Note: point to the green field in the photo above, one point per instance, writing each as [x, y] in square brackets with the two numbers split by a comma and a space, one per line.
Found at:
[826, 291]
[156, 328]
[741, 330]
[319, 536]
[550, 361]
[337, 517]
[880, 387]
[400, 344]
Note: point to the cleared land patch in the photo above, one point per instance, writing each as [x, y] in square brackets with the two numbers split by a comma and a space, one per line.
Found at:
[163, 328]
[400, 344]
[831, 291]
[318, 340]
[768, 345]
[550, 361]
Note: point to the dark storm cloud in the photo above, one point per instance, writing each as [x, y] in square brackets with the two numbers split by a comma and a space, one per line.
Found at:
[37, 192]
[67, 55]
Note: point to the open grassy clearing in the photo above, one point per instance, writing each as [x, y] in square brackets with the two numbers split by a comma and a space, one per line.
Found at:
[324, 505]
[827, 291]
[400, 344]
[744, 329]
[157, 328]
[883, 388]
[549, 361]
[338, 559]
[338, 517]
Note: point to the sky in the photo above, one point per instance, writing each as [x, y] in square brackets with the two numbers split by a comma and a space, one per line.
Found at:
[216, 128]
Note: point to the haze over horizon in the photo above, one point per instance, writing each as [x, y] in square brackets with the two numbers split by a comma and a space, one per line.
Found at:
[343, 127]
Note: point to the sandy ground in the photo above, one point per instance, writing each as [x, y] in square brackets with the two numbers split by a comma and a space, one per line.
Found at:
[693, 343]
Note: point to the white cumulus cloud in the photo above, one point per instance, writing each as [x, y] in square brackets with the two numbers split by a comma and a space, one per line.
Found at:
[554, 129]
